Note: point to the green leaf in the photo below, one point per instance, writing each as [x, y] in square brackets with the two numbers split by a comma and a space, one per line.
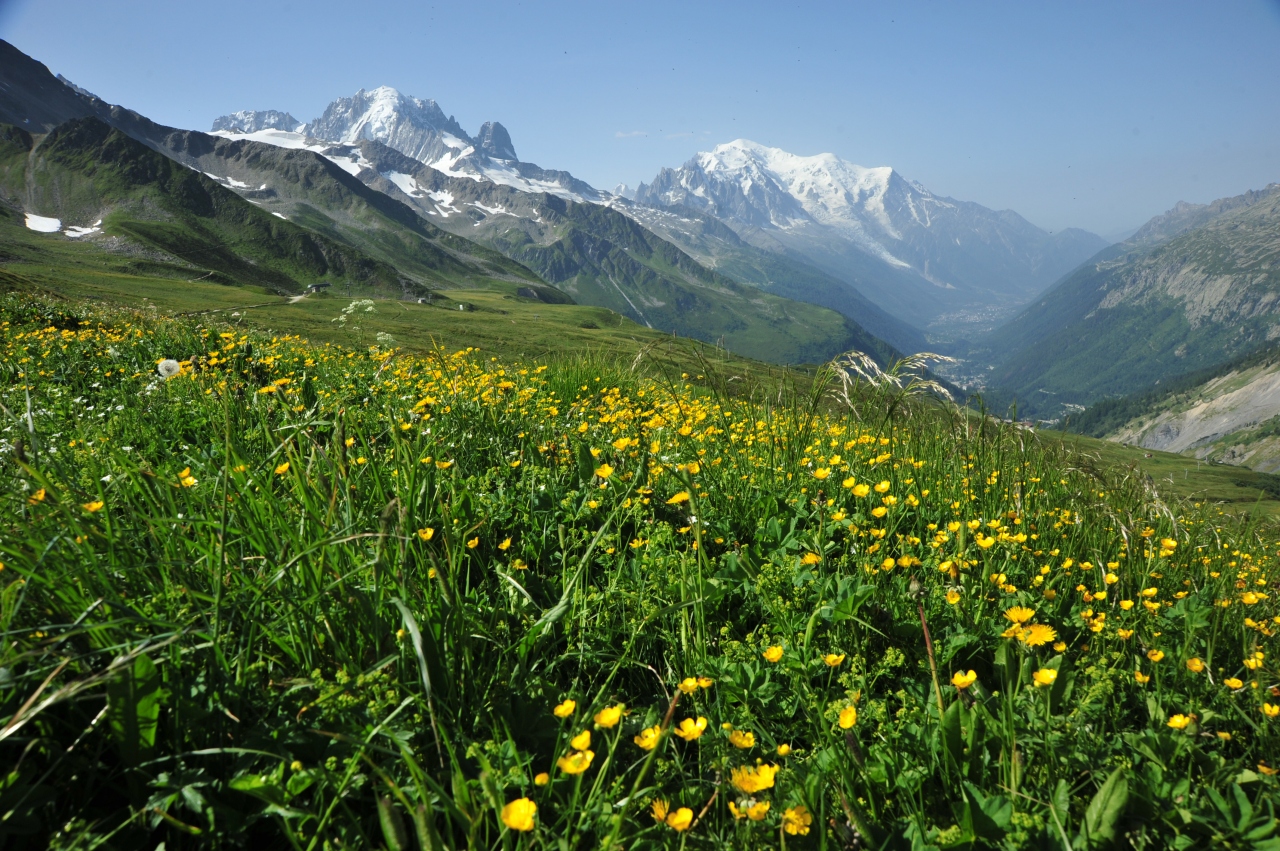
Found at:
[134, 699]
[1106, 808]
[953, 733]
[985, 817]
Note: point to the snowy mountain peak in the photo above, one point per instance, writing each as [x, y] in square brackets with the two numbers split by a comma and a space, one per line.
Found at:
[833, 210]
[417, 128]
[254, 121]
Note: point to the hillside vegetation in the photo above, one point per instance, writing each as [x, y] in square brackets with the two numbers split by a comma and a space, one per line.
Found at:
[1182, 295]
[280, 594]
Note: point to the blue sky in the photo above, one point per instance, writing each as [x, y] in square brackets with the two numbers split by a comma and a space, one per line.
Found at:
[1096, 115]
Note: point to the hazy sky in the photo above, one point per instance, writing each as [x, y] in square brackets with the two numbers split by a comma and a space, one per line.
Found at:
[1096, 115]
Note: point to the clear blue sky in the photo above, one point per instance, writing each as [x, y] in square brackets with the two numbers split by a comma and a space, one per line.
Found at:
[1097, 115]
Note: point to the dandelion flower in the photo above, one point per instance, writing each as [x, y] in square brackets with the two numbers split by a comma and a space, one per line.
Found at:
[1037, 634]
[659, 811]
[742, 739]
[1179, 721]
[1019, 614]
[689, 729]
[810, 558]
[168, 368]
[963, 679]
[833, 660]
[648, 737]
[848, 717]
[753, 778]
[679, 498]
[582, 741]
[796, 821]
[1044, 677]
[564, 710]
[519, 815]
[576, 762]
[610, 716]
[773, 654]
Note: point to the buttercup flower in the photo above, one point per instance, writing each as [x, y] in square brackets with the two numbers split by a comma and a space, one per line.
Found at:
[783, 749]
[582, 741]
[796, 821]
[610, 716]
[519, 814]
[576, 762]
[833, 660]
[753, 778]
[1179, 721]
[1195, 665]
[848, 717]
[742, 739]
[542, 778]
[680, 820]
[963, 679]
[648, 737]
[1044, 677]
[1233, 683]
[772, 654]
[689, 729]
[564, 710]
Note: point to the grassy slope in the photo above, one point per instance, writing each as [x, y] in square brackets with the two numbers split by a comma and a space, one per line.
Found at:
[1190, 303]
[601, 257]
[303, 579]
[315, 193]
[497, 320]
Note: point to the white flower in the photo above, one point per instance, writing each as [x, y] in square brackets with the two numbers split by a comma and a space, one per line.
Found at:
[168, 368]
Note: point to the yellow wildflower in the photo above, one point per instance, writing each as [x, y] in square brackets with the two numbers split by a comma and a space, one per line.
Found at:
[689, 729]
[753, 778]
[564, 710]
[610, 716]
[742, 739]
[833, 660]
[963, 679]
[519, 815]
[848, 717]
[772, 654]
[576, 762]
[582, 741]
[796, 821]
[648, 737]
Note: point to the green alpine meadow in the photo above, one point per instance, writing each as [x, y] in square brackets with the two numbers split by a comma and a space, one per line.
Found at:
[260, 592]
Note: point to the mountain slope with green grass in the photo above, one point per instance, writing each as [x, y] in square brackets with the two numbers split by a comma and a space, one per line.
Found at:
[1140, 313]
[602, 257]
[85, 172]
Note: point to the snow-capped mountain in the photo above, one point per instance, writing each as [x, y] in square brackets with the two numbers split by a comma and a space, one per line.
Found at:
[924, 257]
[249, 121]
[416, 128]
